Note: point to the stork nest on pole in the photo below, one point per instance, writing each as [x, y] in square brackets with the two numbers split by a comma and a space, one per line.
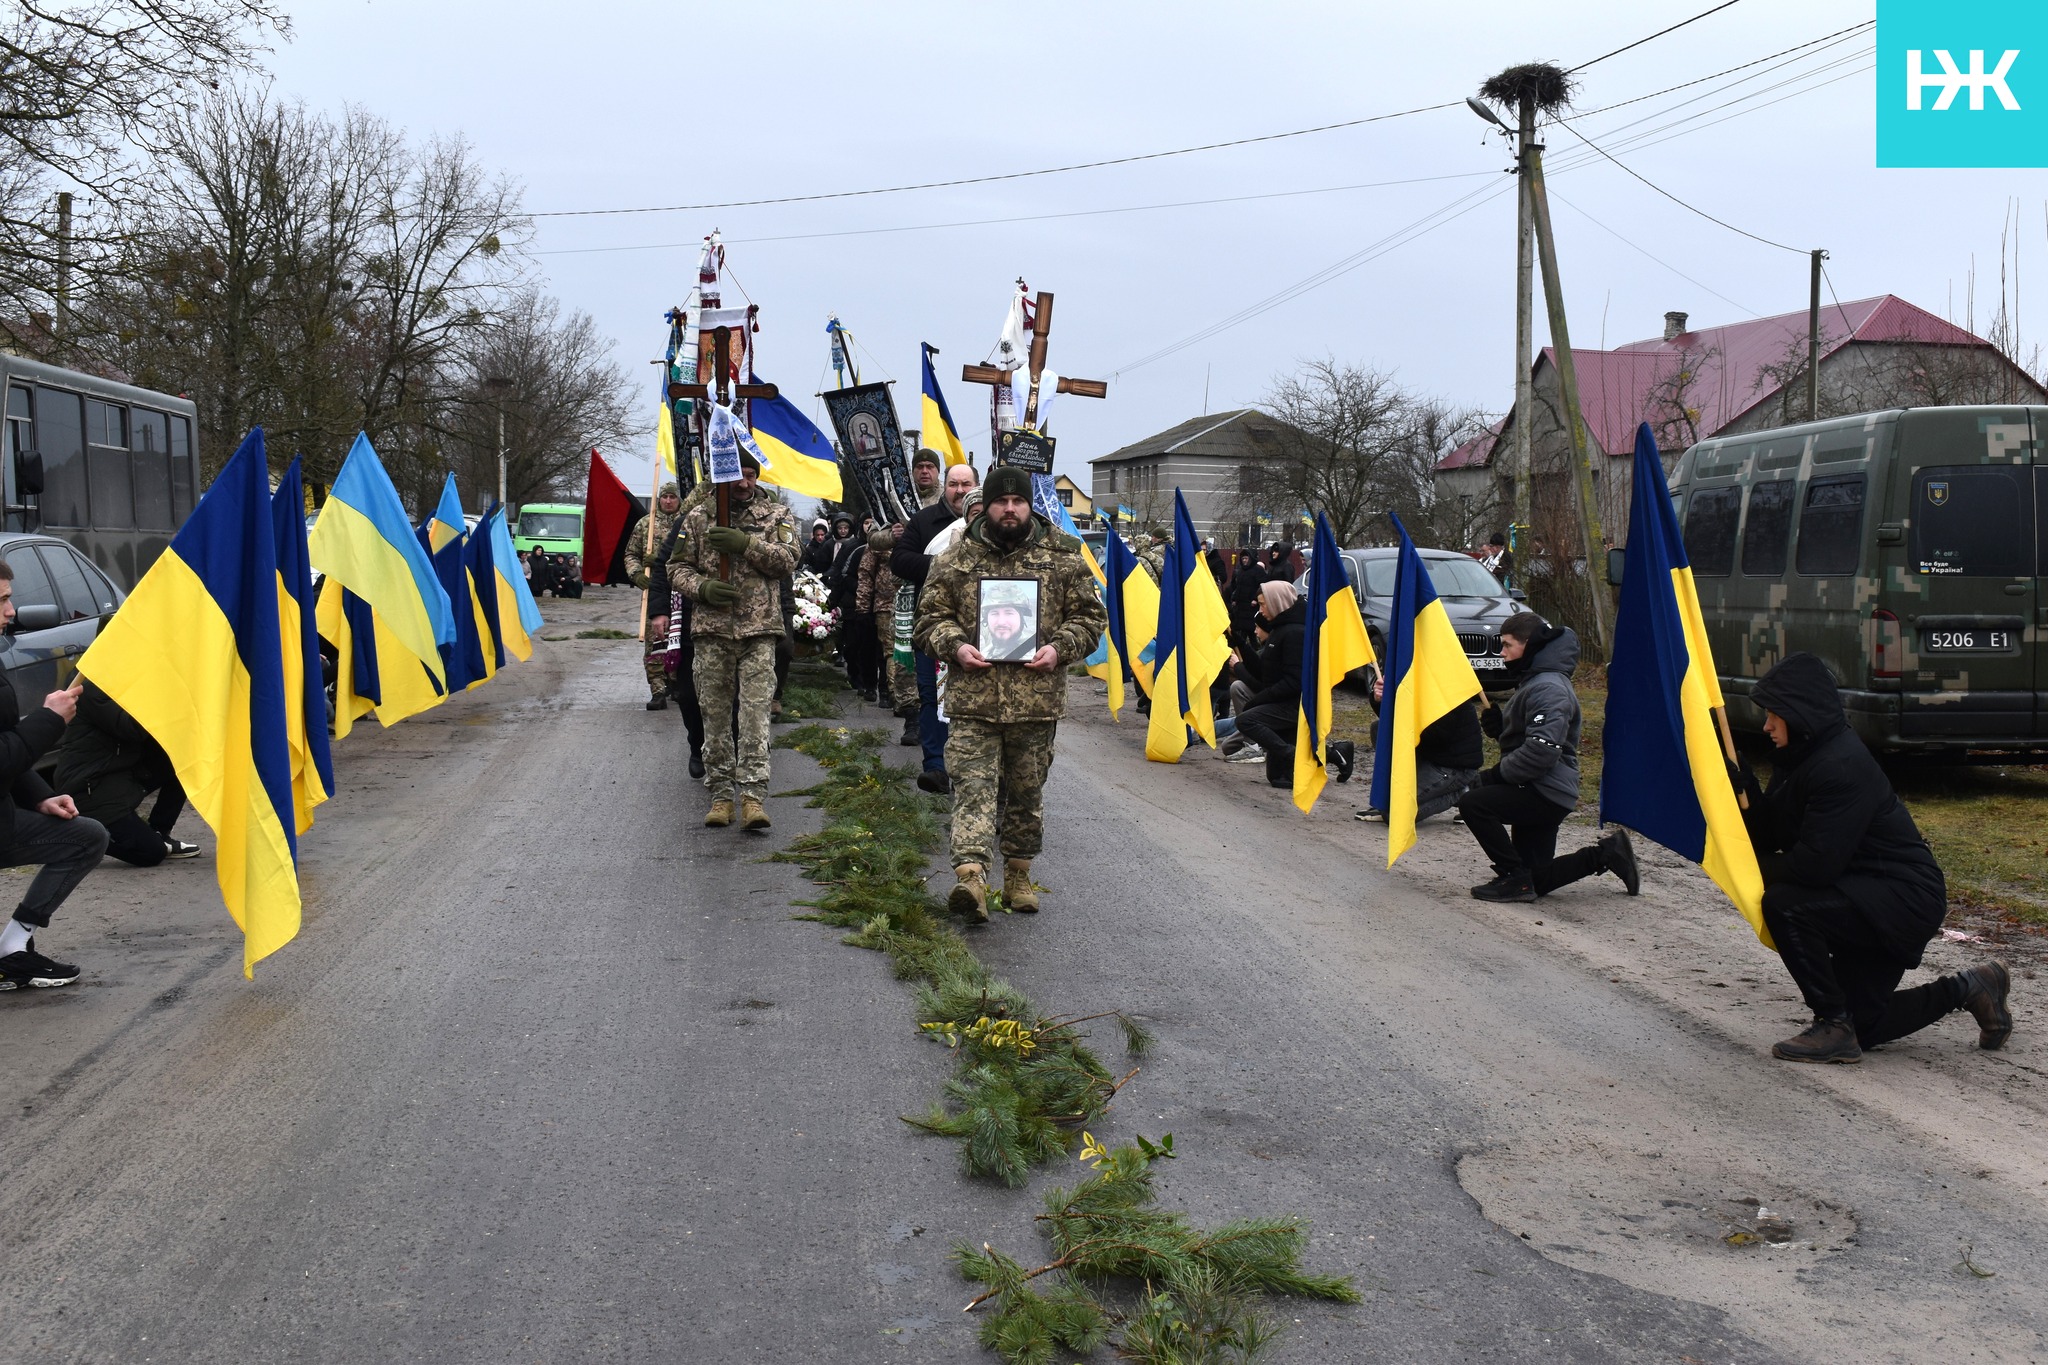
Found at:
[1548, 87]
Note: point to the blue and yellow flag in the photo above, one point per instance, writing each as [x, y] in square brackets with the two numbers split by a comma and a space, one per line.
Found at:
[1333, 644]
[1193, 645]
[665, 439]
[364, 541]
[1133, 604]
[518, 615]
[939, 432]
[447, 524]
[1103, 663]
[1426, 675]
[1665, 775]
[442, 537]
[483, 591]
[196, 655]
[304, 688]
[346, 622]
[794, 453]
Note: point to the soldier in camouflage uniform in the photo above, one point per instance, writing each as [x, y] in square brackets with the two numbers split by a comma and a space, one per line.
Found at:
[1153, 556]
[1004, 714]
[735, 626]
[667, 505]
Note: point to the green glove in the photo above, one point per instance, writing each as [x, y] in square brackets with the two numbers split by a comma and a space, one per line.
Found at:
[716, 592]
[728, 540]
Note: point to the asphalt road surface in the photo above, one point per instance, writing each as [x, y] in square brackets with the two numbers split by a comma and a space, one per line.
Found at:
[553, 1075]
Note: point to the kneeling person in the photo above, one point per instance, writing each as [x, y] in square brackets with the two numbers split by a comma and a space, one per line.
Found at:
[108, 765]
[1852, 893]
[1004, 714]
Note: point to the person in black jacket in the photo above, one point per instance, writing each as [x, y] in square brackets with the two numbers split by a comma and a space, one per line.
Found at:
[1852, 893]
[46, 828]
[1448, 756]
[1265, 688]
[911, 564]
[108, 765]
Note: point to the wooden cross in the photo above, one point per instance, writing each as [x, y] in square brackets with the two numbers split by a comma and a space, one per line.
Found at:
[721, 364]
[1041, 332]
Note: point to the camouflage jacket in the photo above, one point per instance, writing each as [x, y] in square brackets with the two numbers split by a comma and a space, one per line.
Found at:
[876, 588]
[757, 574]
[1153, 557]
[1070, 618]
[637, 557]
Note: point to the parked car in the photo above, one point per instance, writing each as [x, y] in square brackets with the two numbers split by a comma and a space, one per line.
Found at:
[61, 599]
[1906, 548]
[1473, 598]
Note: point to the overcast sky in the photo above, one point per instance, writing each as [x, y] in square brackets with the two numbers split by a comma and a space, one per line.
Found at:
[626, 105]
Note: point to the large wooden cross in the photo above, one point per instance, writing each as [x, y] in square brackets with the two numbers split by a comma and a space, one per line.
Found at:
[1041, 333]
[726, 390]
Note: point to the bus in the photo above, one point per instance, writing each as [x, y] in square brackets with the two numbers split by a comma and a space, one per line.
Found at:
[556, 527]
[109, 467]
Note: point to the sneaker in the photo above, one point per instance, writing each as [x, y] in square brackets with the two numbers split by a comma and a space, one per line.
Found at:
[696, 763]
[1511, 886]
[1341, 753]
[1228, 746]
[934, 780]
[176, 848]
[657, 703]
[29, 969]
[1984, 990]
[1248, 753]
[1372, 815]
[1618, 855]
[1823, 1040]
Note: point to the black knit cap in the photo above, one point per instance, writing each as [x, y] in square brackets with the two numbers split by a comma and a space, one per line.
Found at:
[927, 456]
[1006, 480]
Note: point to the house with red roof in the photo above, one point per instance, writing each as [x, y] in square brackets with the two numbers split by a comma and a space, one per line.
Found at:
[1690, 384]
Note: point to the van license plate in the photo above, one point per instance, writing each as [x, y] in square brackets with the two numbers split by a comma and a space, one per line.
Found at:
[1487, 661]
[1969, 641]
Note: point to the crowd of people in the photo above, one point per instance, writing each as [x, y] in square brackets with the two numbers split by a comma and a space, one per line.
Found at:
[993, 605]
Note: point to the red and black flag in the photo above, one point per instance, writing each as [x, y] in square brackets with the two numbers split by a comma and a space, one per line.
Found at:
[608, 510]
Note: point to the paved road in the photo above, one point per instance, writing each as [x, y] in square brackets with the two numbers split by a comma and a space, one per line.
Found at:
[552, 1075]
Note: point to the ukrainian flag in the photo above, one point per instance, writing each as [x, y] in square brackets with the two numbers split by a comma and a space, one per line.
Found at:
[1666, 773]
[1103, 663]
[794, 453]
[196, 655]
[1193, 645]
[364, 541]
[939, 432]
[346, 622]
[1334, 644]
[304, 688]
[1133, 604]
[483, 593]
[1426, 674]
[442, 538]
[518, 616]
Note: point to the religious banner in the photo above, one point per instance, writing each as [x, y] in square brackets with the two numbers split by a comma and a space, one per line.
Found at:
[871, 448]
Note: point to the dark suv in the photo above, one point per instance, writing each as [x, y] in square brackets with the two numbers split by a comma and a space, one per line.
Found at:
[61, 600]
[1473, 599]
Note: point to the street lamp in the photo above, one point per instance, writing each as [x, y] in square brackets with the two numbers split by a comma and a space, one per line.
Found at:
[500, 385]
[1486, 112]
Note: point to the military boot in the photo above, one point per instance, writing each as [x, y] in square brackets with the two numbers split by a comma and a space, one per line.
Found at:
[970, 893]
[1984, 991]
[720, 814]
[1823, 1040]
[1019, 894]
[753, 815]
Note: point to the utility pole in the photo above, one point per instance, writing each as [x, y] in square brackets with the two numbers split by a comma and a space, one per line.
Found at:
[63, 326]
[1813, 341]
[1525, 390]
[500, 385]
[1568, 385]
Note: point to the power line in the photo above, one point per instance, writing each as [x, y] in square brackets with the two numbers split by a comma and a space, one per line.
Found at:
[990, 179]
[1653, 37]
[1024, 218]
[1676, 200]
[1737, 303]
[1837, 35]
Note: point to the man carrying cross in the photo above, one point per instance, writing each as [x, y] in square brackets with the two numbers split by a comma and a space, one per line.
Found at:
[735, 625]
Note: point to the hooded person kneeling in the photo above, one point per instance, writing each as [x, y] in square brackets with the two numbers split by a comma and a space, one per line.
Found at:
[1852, 893]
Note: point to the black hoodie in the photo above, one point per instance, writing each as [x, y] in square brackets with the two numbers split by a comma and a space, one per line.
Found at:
[1830, 818]
[1274, 672]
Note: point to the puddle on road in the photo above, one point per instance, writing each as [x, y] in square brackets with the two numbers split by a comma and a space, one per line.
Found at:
[1655, 1222]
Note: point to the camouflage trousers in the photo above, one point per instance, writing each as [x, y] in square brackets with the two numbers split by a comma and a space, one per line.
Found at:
[655, 649]
[984, 756]
[902, 686]
[742, 670]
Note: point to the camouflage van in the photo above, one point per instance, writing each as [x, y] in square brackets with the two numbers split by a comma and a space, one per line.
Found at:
[1906, 548]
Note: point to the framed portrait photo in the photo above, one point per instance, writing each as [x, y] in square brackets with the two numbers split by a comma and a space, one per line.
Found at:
[1009, 620]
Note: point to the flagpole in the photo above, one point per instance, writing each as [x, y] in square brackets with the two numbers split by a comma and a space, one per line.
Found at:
[653, 501]
[1728, 748]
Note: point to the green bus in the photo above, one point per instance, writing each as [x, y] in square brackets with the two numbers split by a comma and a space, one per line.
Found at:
[556, 527]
